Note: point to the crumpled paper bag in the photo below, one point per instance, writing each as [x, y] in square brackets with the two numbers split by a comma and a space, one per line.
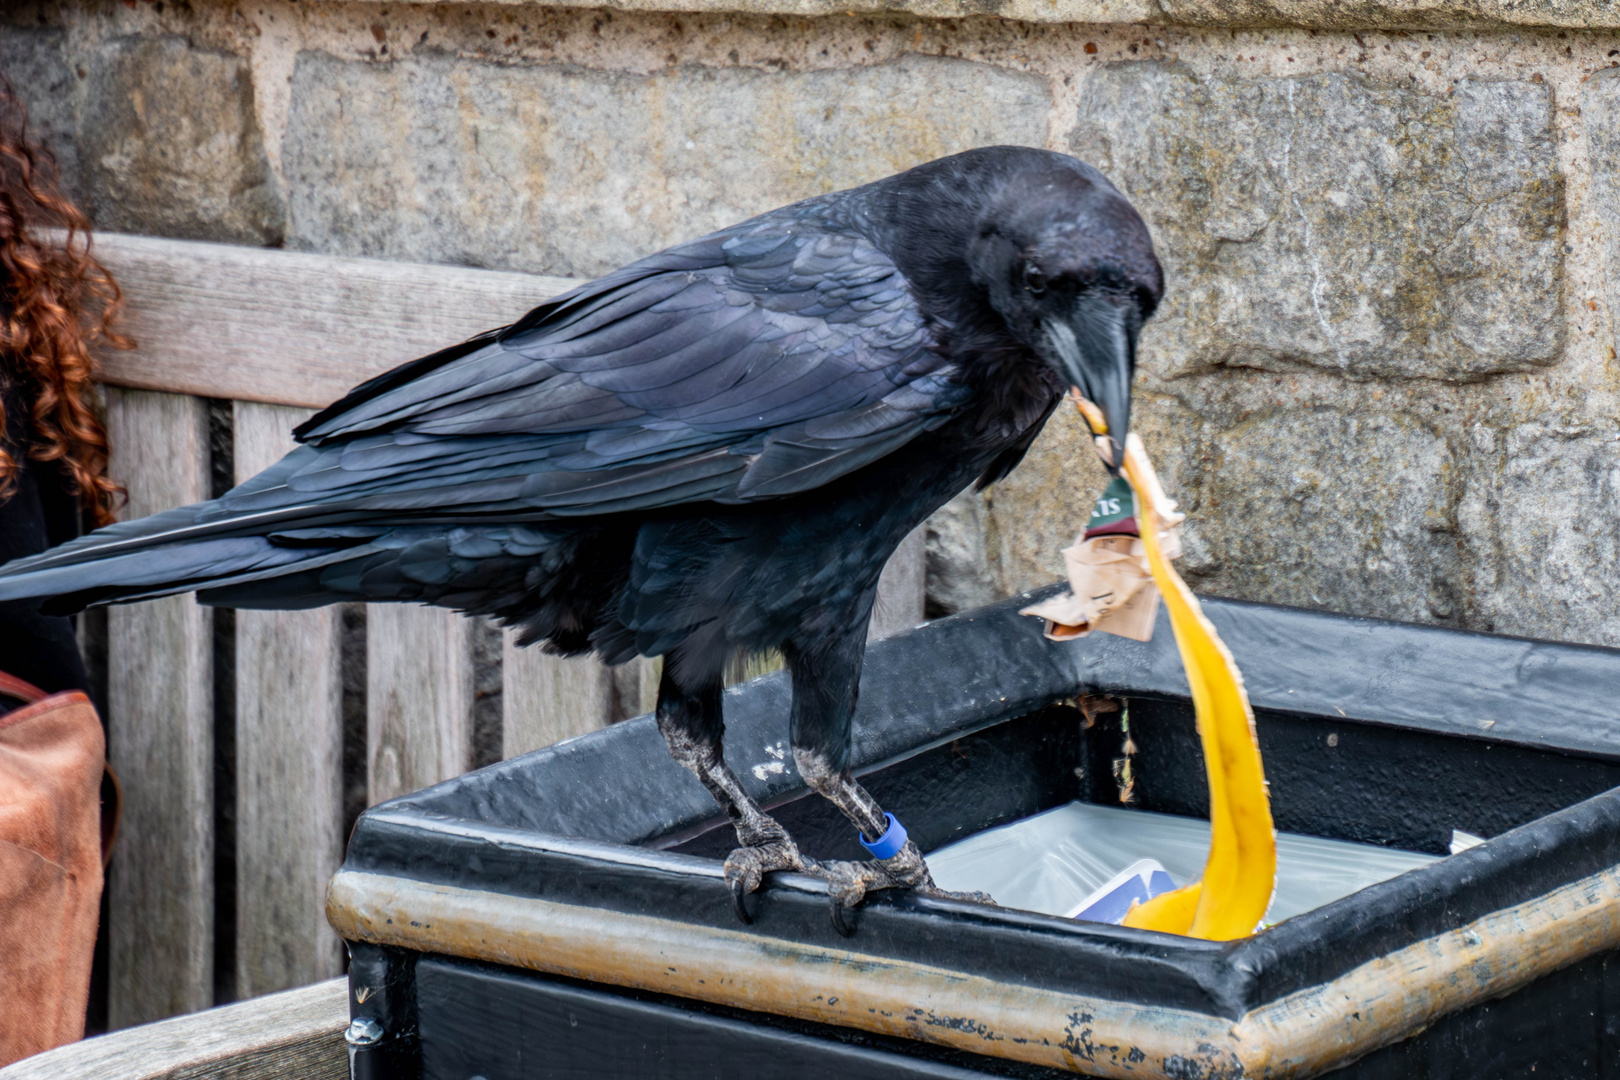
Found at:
[1110, 586]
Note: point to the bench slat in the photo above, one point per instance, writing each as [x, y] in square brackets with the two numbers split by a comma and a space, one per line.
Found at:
[160, 737]
[294, 1034]
[289, 763]
[546, 699]
[419, 697]
[290, 328]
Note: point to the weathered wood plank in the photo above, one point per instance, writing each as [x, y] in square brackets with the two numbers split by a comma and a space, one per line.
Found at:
[160, 737]
[419, 697]
[546, 699]
[903, 587]
[294, 1034]
[636, 684]
[289, 763]
[290, 328]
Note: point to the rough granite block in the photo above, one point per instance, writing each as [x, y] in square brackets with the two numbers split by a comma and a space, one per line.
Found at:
[566, 170]
[1600, 116]
[34, 61]
[1332, 222]
[171, 144]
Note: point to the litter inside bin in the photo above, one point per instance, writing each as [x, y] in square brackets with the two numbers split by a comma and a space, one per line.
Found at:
[1142, 880]
[1053, 861]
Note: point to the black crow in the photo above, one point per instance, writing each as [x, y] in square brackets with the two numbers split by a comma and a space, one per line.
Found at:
[713, 449]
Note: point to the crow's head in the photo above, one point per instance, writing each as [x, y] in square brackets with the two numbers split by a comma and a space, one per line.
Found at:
[1069, 266]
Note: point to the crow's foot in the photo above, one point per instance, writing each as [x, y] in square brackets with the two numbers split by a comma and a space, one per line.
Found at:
[848, 883]
[747, 866]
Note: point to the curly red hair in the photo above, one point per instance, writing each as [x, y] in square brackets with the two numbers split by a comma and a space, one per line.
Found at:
[56, 303]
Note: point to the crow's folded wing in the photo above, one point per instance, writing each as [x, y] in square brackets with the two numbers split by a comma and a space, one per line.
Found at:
[762, 361]
[757, 362]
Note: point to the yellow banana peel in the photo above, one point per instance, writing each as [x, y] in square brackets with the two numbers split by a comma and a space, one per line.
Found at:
[1240, 873]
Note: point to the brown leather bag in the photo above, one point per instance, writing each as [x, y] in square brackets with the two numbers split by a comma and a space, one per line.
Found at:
[52, 759]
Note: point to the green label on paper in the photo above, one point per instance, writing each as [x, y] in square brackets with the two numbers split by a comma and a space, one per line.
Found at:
[1115, 504]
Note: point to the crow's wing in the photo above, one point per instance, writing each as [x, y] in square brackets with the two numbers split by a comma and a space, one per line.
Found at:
[761, 361]
[757, 362]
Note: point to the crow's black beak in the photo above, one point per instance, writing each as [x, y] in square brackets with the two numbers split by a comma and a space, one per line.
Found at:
[1095, 350]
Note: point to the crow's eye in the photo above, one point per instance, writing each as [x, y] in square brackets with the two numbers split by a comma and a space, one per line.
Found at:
[1034, 280]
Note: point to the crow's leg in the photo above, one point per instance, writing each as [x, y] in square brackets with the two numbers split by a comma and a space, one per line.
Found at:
[826, 682]
[849, 882]
[691, 721]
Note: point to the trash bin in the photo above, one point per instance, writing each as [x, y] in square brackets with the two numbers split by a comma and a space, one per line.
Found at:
[563, 914]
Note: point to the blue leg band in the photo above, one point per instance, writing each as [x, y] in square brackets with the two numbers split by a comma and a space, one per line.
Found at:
[889, 844]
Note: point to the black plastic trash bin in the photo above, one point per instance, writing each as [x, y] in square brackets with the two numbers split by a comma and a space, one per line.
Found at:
[563, 914]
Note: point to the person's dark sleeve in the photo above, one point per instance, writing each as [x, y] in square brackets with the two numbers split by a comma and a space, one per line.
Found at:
[40, 513]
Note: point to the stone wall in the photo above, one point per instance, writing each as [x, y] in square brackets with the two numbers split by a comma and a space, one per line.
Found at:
[1384, 380]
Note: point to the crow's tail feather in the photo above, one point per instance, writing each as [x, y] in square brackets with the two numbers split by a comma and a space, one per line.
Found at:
[174, 551]
[148, 573]
[528, 575]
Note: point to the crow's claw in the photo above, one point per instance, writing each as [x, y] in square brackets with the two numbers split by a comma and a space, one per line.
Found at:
[746, 868]
[848, 883]
[739, 902]
[843, 918]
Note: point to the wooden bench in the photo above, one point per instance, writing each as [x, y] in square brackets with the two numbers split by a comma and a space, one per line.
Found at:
[296, 1034]
[254, 340]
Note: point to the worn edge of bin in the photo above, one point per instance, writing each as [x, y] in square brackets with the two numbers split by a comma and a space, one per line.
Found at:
[1539, 857]
[1235, 14]
[1434, 679]
[1308, 950]
[1397, 996]
[1085, 959]
[764, 974]
[1375, 1004]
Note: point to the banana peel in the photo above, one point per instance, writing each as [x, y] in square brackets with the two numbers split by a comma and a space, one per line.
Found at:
[1240, 874]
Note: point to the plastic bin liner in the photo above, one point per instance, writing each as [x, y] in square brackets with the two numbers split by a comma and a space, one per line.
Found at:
[1054, 860]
